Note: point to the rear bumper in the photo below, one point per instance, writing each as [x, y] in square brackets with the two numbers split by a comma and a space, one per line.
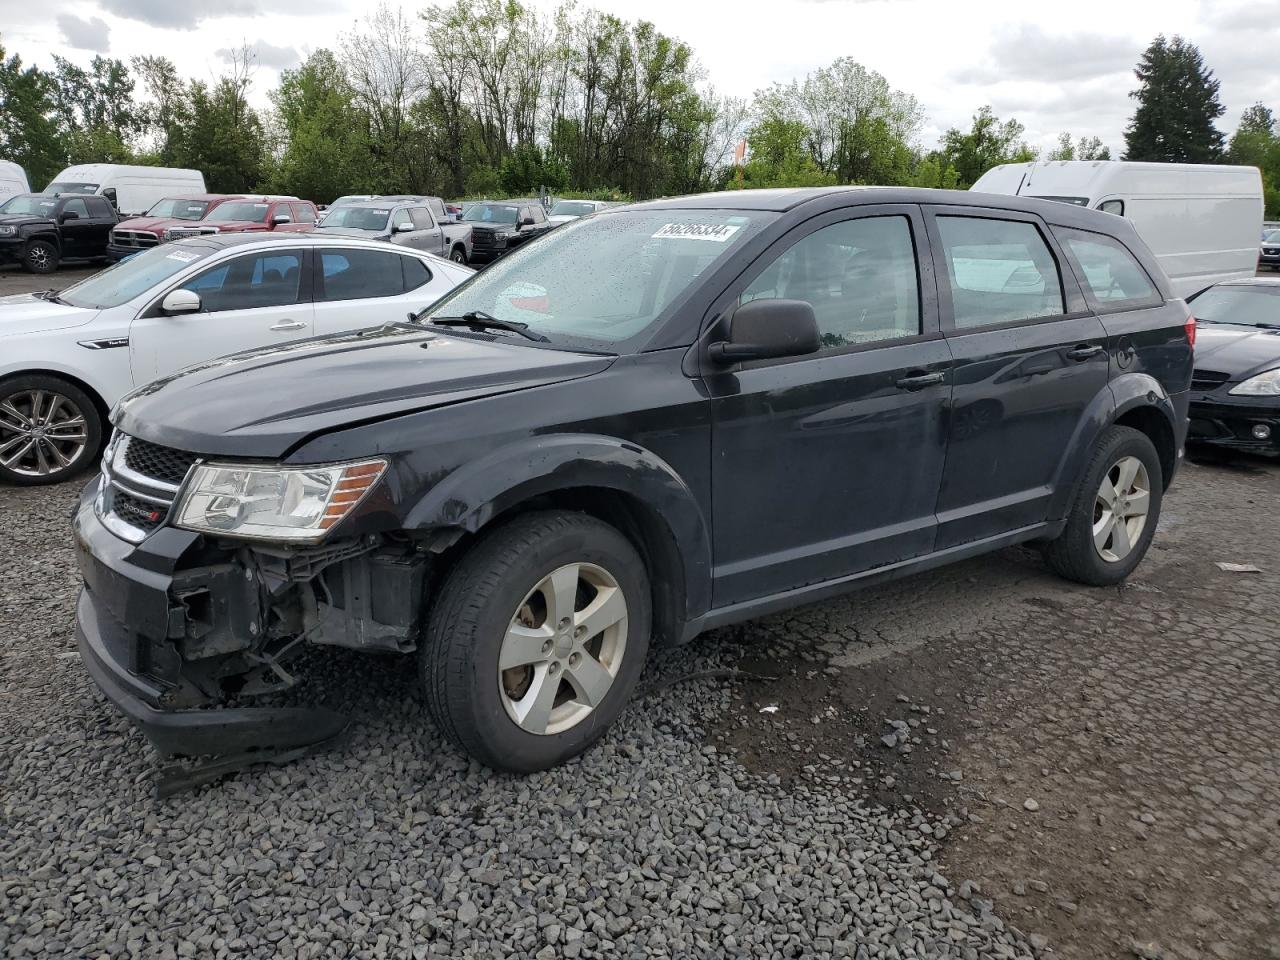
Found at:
[1231, 423]
[124, 619]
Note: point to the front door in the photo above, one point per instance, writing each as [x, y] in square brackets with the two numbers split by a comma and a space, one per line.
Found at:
[250, 301]
[77, 230]
[829, 464]
[1030, 357]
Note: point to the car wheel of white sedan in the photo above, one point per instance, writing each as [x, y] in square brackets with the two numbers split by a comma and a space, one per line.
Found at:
[50, 430]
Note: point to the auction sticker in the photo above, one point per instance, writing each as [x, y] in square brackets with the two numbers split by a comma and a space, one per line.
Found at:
[182, 256]
[715, 232]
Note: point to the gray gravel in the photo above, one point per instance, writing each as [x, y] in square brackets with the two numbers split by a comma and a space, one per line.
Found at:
[652, 845]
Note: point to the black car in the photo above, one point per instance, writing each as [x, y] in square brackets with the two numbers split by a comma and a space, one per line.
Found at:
[498, 227]
[1235, 393]
[39, 231]
[682, 415]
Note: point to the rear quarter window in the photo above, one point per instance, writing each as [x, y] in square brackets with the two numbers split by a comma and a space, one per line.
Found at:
[1111, 274]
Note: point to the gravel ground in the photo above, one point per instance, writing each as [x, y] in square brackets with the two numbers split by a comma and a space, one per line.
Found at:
[655, 844]
[16, 280]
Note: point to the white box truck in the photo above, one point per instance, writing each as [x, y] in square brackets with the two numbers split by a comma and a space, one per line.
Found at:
[132, 190]
[13, 179]
[1202, 221]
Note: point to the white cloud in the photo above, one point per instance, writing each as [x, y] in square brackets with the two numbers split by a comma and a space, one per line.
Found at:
[266, 54]
[91, 34]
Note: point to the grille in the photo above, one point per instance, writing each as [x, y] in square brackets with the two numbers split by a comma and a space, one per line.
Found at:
[137, 513]
[159, 463]
[180, 233]
[1208, 379]
[1271, 251]
[481, 236]
[134, 238]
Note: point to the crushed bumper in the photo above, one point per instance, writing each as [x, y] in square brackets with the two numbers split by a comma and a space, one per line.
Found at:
[1235, 424]
[124, 618]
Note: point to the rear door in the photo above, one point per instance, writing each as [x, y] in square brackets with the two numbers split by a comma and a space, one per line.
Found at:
[253, 300]
[102, 218]
[829, 464]
[427, 234]
[1030, 356]
[362, 287]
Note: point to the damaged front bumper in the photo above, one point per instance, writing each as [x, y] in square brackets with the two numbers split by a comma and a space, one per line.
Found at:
[173, 627]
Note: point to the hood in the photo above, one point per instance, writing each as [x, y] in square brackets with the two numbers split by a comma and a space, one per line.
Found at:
[234, 226]
[1239, 352]
[263, 403]
[352, 232]
[18, 219]
[156, 225]
[25, 313]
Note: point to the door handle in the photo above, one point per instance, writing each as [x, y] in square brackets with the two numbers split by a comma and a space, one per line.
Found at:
[1084, 351]
[919, 381]
[288, 325]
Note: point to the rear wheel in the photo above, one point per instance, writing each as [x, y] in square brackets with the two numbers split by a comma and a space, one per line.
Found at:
[41, 256]
[50, 430]
[1115, 513]
[459, 255]
[536, 640]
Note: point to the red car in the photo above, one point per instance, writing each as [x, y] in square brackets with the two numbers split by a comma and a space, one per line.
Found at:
[253, 214]
[139, 233]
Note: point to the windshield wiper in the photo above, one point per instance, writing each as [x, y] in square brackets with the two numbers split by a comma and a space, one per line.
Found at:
[51, 296]
[480, 320]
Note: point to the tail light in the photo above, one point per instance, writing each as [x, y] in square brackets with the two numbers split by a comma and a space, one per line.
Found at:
[1190, 328]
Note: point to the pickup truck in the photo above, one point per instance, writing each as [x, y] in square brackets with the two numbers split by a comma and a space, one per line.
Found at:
[39, 231]
[500, 226]
[253, 215]
[409, 223]
[141, 233]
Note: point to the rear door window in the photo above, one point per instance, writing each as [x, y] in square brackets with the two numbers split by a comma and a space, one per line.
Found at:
[1000, 271]
[98, 207]
[1111, 274]
[421, 218]
[303, 212]
[360, 275]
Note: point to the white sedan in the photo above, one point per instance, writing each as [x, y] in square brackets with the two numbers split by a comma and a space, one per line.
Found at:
[66, 358]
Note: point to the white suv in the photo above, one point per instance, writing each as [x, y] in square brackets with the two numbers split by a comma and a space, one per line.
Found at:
[65, 359]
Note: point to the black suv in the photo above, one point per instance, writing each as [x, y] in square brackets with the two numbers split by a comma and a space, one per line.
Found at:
[38, 231]
[677, 416]
[500, 226]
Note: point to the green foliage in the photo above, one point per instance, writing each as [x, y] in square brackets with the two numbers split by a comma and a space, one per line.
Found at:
[527, 170]
[1177, 106]
[988, 143]
[1256, 143]
[29, 131]
[1086, 148]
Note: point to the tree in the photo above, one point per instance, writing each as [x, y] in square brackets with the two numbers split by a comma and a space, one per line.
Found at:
[29, 131]
[1177, 105]
[988, 144]
[96, 109]
[1256, 143]
[1087, 148]
[167, 112]
[224, 136]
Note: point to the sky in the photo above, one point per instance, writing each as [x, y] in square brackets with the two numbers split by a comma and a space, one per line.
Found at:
[1054, 66]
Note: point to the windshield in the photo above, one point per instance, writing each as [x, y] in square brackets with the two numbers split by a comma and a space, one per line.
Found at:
[39, 206]
[357, 218]
[491, 213]
[67, 187]
[133, 276]
[172, 209]
[1074, 201]
[600, 283]
[1251, 305]
[1271, 236]
[252, 212]
[573, 208]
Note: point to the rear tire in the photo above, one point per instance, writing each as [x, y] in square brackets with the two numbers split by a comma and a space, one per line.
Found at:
[1115, 511]
[537, 595]
[40, 256]
[459, 255]
[44, 421]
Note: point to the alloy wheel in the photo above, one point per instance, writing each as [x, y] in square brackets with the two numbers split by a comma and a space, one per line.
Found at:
[42, 433]
[39, 258]
[563, 649]
[1120, 509]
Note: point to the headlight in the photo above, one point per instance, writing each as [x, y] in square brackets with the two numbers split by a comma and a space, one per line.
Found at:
[8, 231]
[1263, 385]
[275, 503]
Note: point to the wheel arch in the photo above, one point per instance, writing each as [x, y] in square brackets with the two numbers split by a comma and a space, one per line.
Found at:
[617, 482]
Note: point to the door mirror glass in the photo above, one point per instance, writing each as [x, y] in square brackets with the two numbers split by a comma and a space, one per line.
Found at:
[180, 301]
[768, 330]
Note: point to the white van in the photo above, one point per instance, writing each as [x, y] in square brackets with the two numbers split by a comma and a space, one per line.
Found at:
[132, 190]
[1202, 221]
[13, 179]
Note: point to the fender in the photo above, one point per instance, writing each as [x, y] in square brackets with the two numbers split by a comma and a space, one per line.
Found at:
[475, 493]
[44, 232]
[1118, 397]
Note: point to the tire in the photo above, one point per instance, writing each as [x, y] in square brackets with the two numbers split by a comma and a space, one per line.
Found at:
[458, 255]
[68, 413]
[474, 703]
[40, 256]
[1075, 554]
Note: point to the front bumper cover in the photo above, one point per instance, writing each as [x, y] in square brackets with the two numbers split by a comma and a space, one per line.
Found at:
[124, 618]
[1221, 420]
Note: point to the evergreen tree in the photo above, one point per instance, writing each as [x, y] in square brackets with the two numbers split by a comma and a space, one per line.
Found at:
[1177, 106]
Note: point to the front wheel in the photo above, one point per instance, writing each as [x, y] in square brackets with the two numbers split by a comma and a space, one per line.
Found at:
[536, 640]
[41, 256]
[1115, 512]
[459, 255]
[50, 430]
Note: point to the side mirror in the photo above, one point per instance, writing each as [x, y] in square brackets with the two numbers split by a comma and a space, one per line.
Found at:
[767, 330]
[68, 215]
[180, 301]
[281, 218]
[405, 228]
[526, 222]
